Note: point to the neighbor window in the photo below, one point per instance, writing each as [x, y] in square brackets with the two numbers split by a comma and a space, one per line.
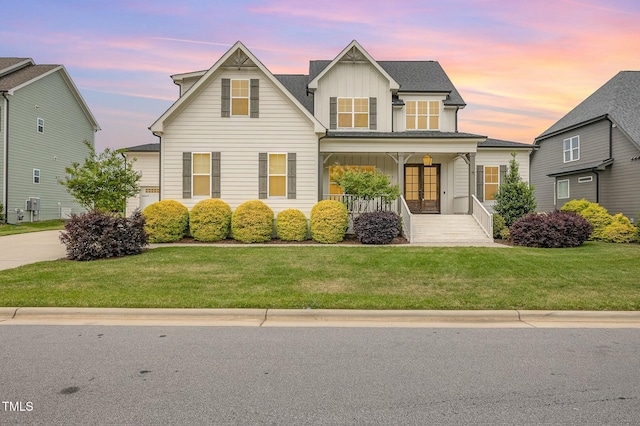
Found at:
[201, 174]
[491, 182]
[40, 125]
[277, 175]
[36, 175]
[240, 97]
[571, 149]
[353, 113]
[585, 179]
[563, 189]
[423, 115]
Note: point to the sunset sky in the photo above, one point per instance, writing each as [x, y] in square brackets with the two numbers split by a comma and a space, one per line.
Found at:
[520, 65]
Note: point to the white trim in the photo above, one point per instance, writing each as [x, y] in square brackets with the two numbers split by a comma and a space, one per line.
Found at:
[558, 189]
[39, 126]
[571, 149]
[35, 176]
[428, 115]
[484, 180]
[585, 179]
[353, 113]
[193, 163]
[248, 97]
[285, 175]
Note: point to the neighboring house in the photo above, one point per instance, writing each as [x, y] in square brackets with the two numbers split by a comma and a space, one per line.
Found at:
[593, 152]
[239, 132]
[145, 161]
[43, 125]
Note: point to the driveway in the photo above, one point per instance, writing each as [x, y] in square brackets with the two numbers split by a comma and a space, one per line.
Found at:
[22, 249]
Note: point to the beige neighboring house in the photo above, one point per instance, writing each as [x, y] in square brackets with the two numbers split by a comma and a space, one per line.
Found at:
[238, 132]
[145, 161]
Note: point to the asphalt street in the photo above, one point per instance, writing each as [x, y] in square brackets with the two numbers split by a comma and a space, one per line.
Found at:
[103, 375]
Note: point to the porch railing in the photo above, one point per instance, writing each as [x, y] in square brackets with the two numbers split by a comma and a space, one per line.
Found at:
[356, 205]
[483, 217]
[406, 216]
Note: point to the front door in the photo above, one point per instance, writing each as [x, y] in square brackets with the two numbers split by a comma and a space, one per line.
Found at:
[422, 188]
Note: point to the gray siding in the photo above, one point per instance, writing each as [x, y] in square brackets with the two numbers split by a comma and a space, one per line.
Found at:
[65, 128]
[594, 146]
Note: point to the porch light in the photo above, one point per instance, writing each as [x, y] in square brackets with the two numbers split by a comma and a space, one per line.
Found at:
[426, 160]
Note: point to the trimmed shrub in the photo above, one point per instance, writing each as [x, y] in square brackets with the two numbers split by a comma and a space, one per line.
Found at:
[598, 217]
[620, 230]
[575, 206]
[376, 227]
[329, 221]
[550, 230]
[498, 225]
[505, 235]
[97, 235]
[252, 222]
[166, 221]
[291, 225]
[210, 220]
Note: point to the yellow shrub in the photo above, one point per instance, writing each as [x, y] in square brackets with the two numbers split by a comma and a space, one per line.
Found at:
[598, 217]
[329, 221]
[166, 221]
[620, 230]
[252, 222]
[576, 206]
[210, 220]
[291, 225]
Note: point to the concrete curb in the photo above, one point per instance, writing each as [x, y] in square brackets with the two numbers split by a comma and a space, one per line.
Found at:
[318, 317]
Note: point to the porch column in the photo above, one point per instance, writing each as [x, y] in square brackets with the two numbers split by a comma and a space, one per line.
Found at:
[472, 180]
[400, 164]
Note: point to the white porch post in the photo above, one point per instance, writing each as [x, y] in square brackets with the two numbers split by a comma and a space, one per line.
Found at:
[400, 164]
[472, 180]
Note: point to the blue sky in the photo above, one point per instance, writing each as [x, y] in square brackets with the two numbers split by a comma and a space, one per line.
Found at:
[520, 65]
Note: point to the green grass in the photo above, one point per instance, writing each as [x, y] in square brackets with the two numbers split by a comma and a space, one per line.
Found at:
[596, 276]
[46, 225]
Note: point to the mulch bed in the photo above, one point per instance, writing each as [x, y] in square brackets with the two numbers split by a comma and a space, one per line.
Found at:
[348, 240]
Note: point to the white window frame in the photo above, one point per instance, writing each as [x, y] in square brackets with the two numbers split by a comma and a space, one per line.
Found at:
[353, 113]
[585, 179]
[193, 174]
[36, 176]
[248, 98]
[573, 151]
[428, 115]
[286, 176]
[484, 180]
[558, 189]
[40, 125]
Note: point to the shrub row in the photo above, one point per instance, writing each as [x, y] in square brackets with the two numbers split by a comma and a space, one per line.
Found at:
[97, 235]
[614, 229]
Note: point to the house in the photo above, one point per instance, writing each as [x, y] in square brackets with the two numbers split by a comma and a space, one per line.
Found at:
[44, 122]
[593, 152]
[238, 132]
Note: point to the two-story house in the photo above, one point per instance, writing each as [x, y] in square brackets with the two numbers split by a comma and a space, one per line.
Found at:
[44, 122]
[238, 132]
[593, 152]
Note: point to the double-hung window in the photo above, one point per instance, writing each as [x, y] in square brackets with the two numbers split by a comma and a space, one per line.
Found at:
[353, 113]
[277, 175]
[40, 125]
[240, 98]
[422, 115]
[571, 149]
[491, 182]
[36, 175]
[201, 175]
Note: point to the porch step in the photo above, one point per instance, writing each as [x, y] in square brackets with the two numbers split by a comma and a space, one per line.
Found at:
[435, 228]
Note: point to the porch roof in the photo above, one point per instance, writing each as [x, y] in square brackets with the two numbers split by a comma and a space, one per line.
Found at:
[422, 141]
[423, 134]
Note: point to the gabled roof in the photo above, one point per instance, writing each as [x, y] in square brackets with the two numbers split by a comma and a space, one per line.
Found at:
[16, 73]
[618, 100]
[297, 85]
[356, 53]
[148, 147]
[239, 56]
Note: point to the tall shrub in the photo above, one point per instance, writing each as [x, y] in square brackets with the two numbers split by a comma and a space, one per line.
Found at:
[252, 222]
[166, 221]
[514, 197]
[329, 221]
[210, 220]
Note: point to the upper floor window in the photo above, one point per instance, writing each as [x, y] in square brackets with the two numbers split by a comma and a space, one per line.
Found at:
[40, 125]
[240, 97]
[201, 174]
[423, 115]
[571, 149]
[353, 113]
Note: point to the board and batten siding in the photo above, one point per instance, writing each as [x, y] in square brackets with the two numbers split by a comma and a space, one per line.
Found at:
[354, 80]
[66, 127]
[594, 146]
[280, 128]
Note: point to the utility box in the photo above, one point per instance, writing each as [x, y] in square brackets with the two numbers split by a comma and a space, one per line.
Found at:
[33, 204]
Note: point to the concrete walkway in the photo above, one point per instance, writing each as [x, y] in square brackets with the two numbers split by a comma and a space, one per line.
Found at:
[32, 247]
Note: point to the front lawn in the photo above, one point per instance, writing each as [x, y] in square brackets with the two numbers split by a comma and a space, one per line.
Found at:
[596, 276]
[45, 225]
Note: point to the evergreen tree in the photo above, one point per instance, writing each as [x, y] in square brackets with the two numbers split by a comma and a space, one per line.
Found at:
[515, 197]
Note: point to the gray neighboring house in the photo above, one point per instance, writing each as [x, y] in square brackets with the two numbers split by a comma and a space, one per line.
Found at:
[43, 123]
[593, 152]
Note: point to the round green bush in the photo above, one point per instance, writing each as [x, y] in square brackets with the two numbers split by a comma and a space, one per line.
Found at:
[252, 222]
[329, 221]
[291, 225]
[166, 221]
[620, 230]
[498, 225]
[210, 220]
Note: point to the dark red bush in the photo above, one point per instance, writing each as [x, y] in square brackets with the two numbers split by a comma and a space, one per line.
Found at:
[96, 235]
[376, 227]
[550, 230]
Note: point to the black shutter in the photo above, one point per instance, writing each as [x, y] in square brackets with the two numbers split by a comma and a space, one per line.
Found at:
[291, 175]
[255, 98]
[262, 175]
[186, 175]
[503, 173]
[333, 113]
[226, 98]
[215, 175]
[480, 183]
[373, 113]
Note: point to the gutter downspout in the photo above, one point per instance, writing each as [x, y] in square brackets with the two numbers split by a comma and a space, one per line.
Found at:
[6, 161]
[610, 138]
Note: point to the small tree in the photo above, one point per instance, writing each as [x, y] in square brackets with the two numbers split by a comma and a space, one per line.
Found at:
[514, 198]
[366, 186]
[103, 182]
